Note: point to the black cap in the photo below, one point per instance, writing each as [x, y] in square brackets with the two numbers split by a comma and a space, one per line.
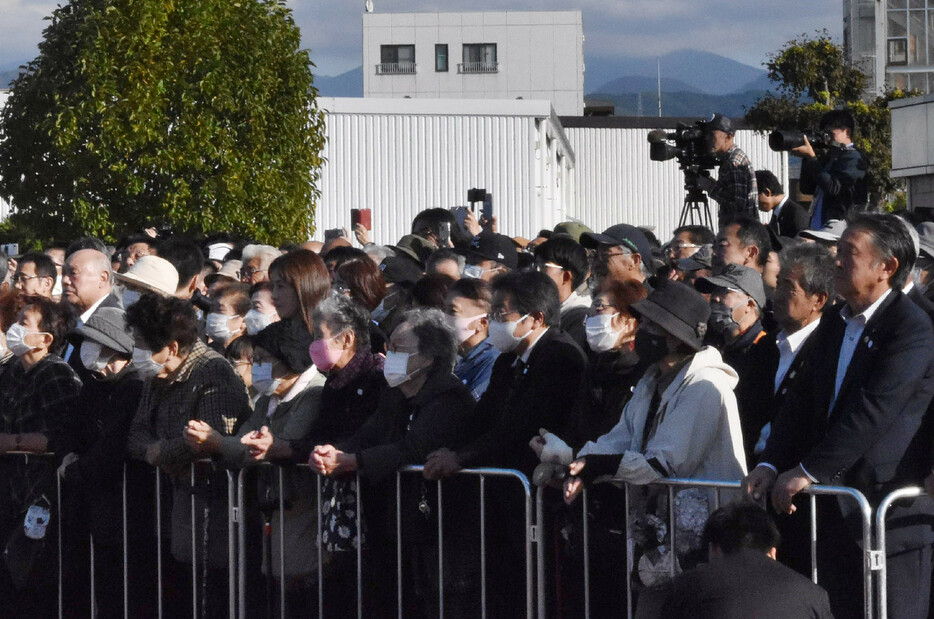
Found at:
[701, 259]
[495, 247]
[415, 247]
[630, 237]
[287, 341]
[721, 123]
[400, 270]
[678, 309]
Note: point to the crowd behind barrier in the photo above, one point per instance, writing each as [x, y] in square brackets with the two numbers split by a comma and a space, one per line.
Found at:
[537, 580]
[350, 432]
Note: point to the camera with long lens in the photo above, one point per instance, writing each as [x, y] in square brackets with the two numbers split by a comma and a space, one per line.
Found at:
[784, 140]
[687, 143]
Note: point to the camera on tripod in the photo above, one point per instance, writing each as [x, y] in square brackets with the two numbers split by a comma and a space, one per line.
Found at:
[783, 140]
[690, 144]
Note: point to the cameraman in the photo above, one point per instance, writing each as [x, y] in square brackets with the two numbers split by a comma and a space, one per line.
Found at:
[735, 187]
[837, 179]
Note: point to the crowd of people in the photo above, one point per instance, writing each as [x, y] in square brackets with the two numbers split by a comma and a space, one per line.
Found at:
[786, 354]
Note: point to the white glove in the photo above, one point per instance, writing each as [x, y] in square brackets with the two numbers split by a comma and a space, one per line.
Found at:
[556, 450]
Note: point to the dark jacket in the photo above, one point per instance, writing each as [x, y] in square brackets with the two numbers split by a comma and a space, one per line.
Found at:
[519, 402]
[755, 358]
[743, 585]
[609, 382]
[792, 219]
[841, 176]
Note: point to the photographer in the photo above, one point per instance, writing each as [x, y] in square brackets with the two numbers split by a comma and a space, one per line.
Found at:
[837, 178]
[735, 187]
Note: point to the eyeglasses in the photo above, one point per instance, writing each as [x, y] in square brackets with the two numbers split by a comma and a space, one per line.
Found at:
[22, 279]
[541, 267]
[606, 254]
[599, 307]
[249, 271]
[675, 248]
[237, 364]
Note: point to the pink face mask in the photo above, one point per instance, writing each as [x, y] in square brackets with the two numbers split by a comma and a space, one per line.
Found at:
[322, 355]
[462, 325]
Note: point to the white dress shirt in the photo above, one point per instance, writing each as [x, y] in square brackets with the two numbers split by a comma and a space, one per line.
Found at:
[788, 346]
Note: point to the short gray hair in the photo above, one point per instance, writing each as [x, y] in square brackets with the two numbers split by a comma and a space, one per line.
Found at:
[266, 254]
[436, 337]
[814, 265]
[340, 313]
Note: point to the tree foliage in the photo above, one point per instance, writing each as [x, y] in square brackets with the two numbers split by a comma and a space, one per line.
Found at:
[812, 76]
[196, 113]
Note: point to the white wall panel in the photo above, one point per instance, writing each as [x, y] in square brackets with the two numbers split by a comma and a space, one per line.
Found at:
[618, 183]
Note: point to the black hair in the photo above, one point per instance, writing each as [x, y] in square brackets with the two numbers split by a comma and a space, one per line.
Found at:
[185, 256]
[239, 295]
[566, 253]
[86, 242]
[476, 290]
[699, 235]
[838, 119]
[241, 348]
[54, 318]
[45, 267]
[531, 292]
[740, 526]
[752, 232]
[434, 217]
[891, 240]
[133, 239]
[343, 253]
[159, 320]
[766, 179]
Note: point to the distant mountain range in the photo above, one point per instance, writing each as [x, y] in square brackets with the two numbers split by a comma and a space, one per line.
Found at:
[694, 83]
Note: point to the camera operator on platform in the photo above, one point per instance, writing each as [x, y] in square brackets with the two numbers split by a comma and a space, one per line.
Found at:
[837, 178]
[735, 187]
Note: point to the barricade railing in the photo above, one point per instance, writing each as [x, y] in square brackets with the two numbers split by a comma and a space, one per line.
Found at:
[531, 535]
[870, 557]
[882, 512]
[243, 533]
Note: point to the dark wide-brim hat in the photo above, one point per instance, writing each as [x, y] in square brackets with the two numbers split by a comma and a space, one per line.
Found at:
[107, 327]
[678, 309]
[287, 341]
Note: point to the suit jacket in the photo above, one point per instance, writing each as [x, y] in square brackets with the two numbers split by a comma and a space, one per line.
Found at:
[743, 585]
[519, 402]
[877, 436]
[792, 219]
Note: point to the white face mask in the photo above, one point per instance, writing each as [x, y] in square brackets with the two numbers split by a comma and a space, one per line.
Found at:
[396, 368]
[263, 381]
[380, 312]
[16, 339]
[600, 334]
[91, 356]
[57, 288]
[217, 327]
[462, 325]
[256, 321]
[502, 334]
[130, 297]
[144, 363]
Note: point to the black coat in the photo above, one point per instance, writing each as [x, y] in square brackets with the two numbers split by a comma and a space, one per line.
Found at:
[517, 403]
[745, 585]
[841, 176]
[792, 219]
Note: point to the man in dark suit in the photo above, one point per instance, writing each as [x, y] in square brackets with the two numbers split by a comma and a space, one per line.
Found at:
[858, 418]
[87, 284]
[788, 217]
[742, 578]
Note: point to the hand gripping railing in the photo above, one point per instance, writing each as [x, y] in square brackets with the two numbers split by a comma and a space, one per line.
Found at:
[531, 535]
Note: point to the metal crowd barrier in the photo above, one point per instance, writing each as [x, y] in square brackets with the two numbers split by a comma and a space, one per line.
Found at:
[901, 494]
[870, 557]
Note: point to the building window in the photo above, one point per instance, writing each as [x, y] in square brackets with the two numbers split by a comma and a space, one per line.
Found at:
[441, 58]
[479, 58]
[396, 60]
[898, 51]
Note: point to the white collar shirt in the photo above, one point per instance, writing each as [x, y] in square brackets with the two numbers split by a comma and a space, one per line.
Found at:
[855, 325]
[789, 344]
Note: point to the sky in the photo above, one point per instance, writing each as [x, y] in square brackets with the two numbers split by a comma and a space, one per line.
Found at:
[744, 30]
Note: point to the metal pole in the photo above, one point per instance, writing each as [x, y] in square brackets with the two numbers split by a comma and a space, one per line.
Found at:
[672, 524]
[482, 548]
[93, 591]
[440, 557]
[399, 542]
[126, 564]
[881, 513]
[813, 501]
[359, 549]
[586, 555]
[241, 542]
[320, 538]
[539, 554]
[629, 550]
[194, 544]
[233, 515]
[159, 537]
[281, 543]
[58, 491]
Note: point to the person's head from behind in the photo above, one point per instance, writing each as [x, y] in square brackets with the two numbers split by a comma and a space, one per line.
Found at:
[342, 328]
[165, 331]
[39, 329]
[431, 291]
[805, 285]
[361, 280]
[565, 261]
[737, 527]
[610, 324]
[468, 305]
[228, 311]
[86, 278]
[524, 303]
[299, 282]
[874, 254]
[423, 345]
[840, 124]
[744, 241]
[35, 275]
[188, 260]
[446, 261]
[337, 256]
[431, 224]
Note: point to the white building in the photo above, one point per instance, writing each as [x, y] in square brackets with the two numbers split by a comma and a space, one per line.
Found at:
[891, 41]
[402, 156]
[913, 148]
[479, 55]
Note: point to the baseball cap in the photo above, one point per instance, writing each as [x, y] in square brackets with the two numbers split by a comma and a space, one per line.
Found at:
[492, 246]
[735, 277]
[400, 270]
[678, 309]
[701, 259]
[229, 270]
[721, 123]
[630, 237]
[573, 229]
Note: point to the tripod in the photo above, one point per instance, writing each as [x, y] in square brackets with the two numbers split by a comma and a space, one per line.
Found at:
[696, 208]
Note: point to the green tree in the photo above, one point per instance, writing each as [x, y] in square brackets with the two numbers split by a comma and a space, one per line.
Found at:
[197, 113]
[812, 76]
